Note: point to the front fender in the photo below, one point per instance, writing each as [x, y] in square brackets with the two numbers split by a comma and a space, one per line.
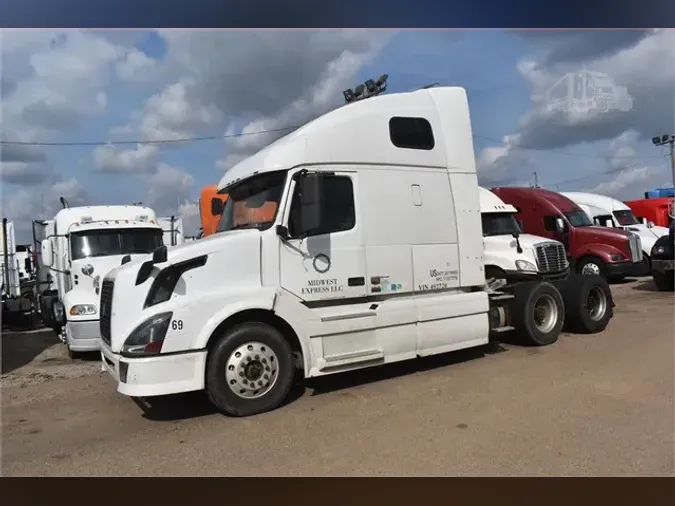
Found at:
[602, 251]
[233, 303]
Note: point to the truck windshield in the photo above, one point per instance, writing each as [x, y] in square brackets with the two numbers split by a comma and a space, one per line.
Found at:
[578, 218]
[499, 224]
[253, 203]
[108, 242]
[626, 218]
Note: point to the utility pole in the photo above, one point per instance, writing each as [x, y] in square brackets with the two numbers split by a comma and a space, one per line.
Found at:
[669, 140]
[536, 180]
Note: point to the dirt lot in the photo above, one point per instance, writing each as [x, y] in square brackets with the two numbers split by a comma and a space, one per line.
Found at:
[588, 405]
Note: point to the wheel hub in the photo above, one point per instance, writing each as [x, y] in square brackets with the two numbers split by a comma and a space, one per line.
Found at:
[251, 370]
[590, 269]
[545, 313]
[596, 303]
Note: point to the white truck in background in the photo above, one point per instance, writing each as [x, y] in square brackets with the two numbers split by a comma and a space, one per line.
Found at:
[609, 212]
[11, 280]
[372, 254]
[78, 247]
[511, 255]
[172, 229]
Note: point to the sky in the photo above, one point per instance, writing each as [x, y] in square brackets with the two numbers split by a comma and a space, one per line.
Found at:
[85, 91]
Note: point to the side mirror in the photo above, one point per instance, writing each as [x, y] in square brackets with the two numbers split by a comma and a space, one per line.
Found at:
[310, 186]
[609, 223]
[216, 207]
[559, 225]
[28, 265]
[645, 222]
[159, 256]
[650, 224]
[47, 253]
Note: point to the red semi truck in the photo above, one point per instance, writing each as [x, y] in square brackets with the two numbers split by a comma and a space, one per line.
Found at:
[611, 253]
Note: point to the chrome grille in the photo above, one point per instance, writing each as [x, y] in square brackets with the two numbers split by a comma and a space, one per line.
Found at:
[635, 245]
[551, 257]
[106, 308]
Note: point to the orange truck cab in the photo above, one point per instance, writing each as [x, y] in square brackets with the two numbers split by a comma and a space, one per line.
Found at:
[655, 210]
[210, 208]
[212, 204]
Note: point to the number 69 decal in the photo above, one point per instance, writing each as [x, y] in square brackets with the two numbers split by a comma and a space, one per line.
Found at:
[176, 324]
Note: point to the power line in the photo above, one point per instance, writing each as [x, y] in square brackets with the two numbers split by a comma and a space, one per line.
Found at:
[158, 141]
[259, 132]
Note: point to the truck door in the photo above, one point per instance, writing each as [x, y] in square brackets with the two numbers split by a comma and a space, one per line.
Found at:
[327, 268]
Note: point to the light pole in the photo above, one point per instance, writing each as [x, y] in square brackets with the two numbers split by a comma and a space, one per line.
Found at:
[669, 140]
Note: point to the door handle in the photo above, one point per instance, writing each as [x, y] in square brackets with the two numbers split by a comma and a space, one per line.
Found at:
[356, 281]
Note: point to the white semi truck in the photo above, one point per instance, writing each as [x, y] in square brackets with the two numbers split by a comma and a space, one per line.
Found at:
[79, 246]
[373, 254]
[609, 212]
[511, 255]
[172, 229]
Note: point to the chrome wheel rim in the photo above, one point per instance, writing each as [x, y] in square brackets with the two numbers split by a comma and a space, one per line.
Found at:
[545, 313]
[590, 269]
[251, 370]
[596, 303]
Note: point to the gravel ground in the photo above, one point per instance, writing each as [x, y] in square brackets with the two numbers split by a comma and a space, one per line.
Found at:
[589, 405]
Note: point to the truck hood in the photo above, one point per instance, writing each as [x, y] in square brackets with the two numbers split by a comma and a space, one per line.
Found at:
[527, 241]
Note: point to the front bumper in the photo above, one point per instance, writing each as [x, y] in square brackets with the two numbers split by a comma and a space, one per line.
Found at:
[663, 265]
[159, 375]
[621, 269]
[83, 335]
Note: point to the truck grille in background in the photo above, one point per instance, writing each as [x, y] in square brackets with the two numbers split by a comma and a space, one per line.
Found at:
[106, 308]
[635, 247]
[551, 257]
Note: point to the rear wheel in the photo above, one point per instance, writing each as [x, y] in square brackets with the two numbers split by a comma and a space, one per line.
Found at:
[588, 303]
[664, 281]
[537, 313]
[250, 370]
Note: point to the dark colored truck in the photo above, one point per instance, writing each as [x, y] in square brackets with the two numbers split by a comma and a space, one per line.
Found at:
[663, 261]
[608, 252]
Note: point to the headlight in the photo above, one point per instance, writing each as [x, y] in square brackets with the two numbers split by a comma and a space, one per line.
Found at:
[659, 250]
[524, 265]
[615, 258]
[82, 310]
[148, 337]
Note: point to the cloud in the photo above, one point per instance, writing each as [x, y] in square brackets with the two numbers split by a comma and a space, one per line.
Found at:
[168, 189]
[110, 159]
[23, 173]
[136, 67]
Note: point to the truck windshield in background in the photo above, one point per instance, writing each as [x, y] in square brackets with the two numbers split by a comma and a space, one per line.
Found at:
[499, 224]
[578, 218]
[253, 203]
[101, 243]
[625, 218]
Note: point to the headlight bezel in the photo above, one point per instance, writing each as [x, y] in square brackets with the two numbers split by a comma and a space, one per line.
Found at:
[526, 266]
[147, 338]
[83, 310]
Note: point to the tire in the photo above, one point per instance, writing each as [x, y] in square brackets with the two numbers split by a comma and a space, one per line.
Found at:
[73, 355]
[588, 303]
[223, 368]
[592, 263]
[664, 281]
[531, 298]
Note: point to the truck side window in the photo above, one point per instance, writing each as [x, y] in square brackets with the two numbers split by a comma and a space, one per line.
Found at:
[337, 201]
[411, 133]
[549, 223]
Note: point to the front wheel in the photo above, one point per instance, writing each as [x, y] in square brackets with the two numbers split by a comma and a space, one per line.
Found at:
[592, 267]
[250, 370]
[538, 312]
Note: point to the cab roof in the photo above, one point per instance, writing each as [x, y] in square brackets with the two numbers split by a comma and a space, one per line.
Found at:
[539, 195]
[65, 218]
[603, 202]
[358, 133]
